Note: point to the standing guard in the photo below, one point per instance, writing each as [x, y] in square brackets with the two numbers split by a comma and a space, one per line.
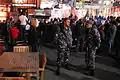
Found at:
[63, 38]
[92, 43]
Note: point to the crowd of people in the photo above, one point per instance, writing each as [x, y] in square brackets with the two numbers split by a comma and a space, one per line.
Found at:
[86, 35]
[23, 30]
[83, 35]
[108, 29]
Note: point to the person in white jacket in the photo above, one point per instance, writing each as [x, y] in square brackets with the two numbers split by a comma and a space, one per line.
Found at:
[23, 22]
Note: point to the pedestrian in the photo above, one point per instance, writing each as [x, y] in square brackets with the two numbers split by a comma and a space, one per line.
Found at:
[101, 30]
[63, 36]
[7, 34]
[33, 37]
[111, 32]
[23, 22]
[117, 40]
[92, 43]
[81, 34]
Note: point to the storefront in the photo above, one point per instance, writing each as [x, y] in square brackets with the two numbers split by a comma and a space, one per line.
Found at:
[4, 12]
[24, 5]
[27, 6]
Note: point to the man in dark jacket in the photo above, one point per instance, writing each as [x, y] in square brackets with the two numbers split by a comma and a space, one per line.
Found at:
[33, 38]
[117, 40]
[81, 34]
[63, 37]
[92, 44]
[7, 34]
[111, 32]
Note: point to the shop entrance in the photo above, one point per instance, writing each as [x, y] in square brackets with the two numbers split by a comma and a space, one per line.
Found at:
[23, 10]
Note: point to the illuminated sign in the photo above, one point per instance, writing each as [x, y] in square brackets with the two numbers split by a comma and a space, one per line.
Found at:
[19, 1]
[3, 14]
[43, 12]
[32, 5]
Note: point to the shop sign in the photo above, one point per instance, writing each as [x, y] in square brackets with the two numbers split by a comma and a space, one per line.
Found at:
[43, 12]
[3, 14]
[39, 12]
[19, 1]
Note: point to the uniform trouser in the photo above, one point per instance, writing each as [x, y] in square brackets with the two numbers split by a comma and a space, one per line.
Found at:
[80, 44]
[90, 58]
[62, 57]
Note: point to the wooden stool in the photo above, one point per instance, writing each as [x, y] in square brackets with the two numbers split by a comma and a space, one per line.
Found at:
[21, 49]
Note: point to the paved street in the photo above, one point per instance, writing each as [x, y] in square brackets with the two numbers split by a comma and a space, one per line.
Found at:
[106, 67]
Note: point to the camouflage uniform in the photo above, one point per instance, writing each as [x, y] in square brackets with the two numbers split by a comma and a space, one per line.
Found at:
[92, 44]
[64, 42]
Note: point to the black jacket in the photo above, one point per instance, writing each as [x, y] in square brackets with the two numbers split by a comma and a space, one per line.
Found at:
[117, 37]
[32, 36]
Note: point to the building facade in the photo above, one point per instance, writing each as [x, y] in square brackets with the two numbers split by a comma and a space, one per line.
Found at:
[15, 7]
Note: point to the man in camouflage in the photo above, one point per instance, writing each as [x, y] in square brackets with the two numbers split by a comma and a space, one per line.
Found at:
[92, 43]
[63, 37]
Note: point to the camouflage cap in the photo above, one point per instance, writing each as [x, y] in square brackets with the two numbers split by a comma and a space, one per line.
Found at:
[89, 21]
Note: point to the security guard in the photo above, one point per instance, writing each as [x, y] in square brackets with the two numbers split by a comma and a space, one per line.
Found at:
[63, 38]
[92, 43]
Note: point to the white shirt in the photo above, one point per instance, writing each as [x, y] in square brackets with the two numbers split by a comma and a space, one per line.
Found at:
[23, 19]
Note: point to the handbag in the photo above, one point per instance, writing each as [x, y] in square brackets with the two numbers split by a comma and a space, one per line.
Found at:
[27, 27]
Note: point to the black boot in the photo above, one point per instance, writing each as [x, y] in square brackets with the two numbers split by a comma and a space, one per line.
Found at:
[58, 71]
[66, 65]
[92, 72]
